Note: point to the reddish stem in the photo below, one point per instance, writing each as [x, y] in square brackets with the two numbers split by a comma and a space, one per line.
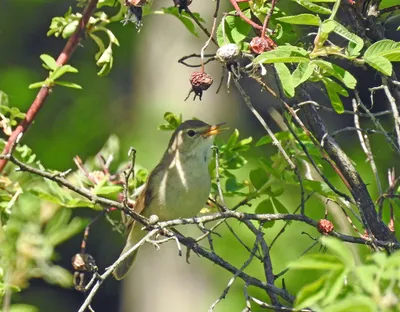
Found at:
[44, 91]
[267, 18]
[244, 17]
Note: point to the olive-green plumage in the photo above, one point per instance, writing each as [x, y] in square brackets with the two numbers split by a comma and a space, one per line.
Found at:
[179, 185]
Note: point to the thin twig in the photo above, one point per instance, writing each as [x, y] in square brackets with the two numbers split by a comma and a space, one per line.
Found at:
[366, 147]
[264, 124]
[348, 112]
[201, 25]
[184, 58]
[111, 268]
[231, 281]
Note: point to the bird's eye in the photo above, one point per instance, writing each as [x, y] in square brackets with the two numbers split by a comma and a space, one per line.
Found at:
[191, 133]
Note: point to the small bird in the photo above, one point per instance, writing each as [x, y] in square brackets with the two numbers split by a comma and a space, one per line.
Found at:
[179, 185]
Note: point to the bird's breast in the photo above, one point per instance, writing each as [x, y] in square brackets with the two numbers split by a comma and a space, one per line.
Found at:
[183, 190]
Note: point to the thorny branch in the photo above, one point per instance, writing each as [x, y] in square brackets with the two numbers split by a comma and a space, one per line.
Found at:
[44, 91]
[162, 228]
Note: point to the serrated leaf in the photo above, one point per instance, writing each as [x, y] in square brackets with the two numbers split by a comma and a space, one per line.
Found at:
[381, 64]
[357, 41]
[386, 48]
[335, 86]
[303, 72]
[236, 29]
[285, 78]
[284, 52]
[301, 19]
[313, 7]
[333, 97]
[338, 72]
[49, 61]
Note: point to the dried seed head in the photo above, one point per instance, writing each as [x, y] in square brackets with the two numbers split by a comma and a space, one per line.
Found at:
[259, 45]
[200, 82]
[83, 262]
[227, 53]
[325, 226]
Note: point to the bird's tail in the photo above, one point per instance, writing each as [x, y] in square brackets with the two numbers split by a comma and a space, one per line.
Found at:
[123, 268]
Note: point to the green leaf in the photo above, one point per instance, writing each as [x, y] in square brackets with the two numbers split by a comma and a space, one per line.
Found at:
[334, 285]
[68, 84]
[232, 139]
[59, 71]
[313, 7]
[37, 85]
[266, 207]
[107, 189]
[317, 262]
[301, 19]
[236, 29]
[258, 178]
[339, 249]
[335, 86]
[366, 275]
[266, 164]
[333, 96]
[49, 61]
[279, 207]
[23, 308]
[311, 293]
[285, 78]
[184, 18]
[303, 72]
[62, 198]
[286, 54]
[173, 121]
[381, 64]
[233, 185]
[386, 48]
[353, 49]
[338, 72]
[353, 303]
[281, 136]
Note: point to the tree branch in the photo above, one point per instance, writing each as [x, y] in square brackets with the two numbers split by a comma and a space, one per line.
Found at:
[44, 91]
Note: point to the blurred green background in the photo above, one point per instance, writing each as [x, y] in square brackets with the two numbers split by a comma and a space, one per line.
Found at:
[145, 82]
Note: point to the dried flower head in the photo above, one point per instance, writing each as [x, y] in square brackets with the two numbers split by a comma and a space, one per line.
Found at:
[325, 226]
[259, 45]
[200, 82]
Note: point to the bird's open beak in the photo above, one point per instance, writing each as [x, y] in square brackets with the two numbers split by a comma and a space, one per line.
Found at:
[214, 130]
